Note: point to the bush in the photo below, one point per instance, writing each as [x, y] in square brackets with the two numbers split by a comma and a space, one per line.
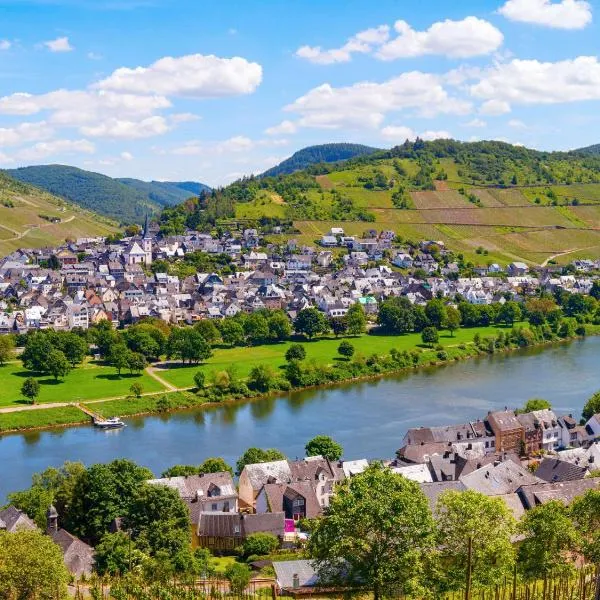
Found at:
[164, 404]
[136, 389]
[259, 544]
[199, 379]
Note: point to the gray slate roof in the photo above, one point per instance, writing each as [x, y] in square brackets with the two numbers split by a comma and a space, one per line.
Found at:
[13, 519]
[285, 571]
[554, 469]
[500, 479]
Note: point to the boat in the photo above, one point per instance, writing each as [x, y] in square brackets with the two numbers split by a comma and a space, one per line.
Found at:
[110, 423]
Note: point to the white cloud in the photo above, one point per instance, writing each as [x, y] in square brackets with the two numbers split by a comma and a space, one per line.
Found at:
[517, 124]
[60, 44]
[5, 44]
[285, 127]
[25, 133]
[366, 104]
[566, 14]
[475, 123]
[183, 118]
[535, 82]
[435, 135]
[5, 159]
[455, 39]
[94, 56]
[493, 108]
[43, 150]
[193, 76]
[130, 130]
[362, 43]
[398, 133]
[126, 156]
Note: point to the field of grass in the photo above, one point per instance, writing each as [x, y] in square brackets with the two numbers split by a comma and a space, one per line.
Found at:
[323, 351]
[146, 404]
[47, 417]
[87, 382]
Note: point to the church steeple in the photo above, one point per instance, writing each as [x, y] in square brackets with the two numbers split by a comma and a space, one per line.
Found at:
[147, 226]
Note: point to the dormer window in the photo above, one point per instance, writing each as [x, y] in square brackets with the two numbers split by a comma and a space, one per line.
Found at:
[213, 491]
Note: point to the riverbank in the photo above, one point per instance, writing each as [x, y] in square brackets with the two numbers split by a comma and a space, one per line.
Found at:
[49, 416]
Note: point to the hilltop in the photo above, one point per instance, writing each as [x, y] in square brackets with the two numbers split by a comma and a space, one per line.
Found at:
[324, 153]
[593, 150]
[490, 201]
[127, 200]
[30, 217]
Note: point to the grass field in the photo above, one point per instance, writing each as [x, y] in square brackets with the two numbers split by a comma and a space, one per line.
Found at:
[87, 382]
[47, 417]
[323, 351]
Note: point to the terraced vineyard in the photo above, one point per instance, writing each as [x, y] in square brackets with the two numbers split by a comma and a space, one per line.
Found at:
[32, 218]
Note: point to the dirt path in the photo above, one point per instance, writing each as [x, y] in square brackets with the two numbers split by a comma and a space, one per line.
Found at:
[152, 372]
[545, 263]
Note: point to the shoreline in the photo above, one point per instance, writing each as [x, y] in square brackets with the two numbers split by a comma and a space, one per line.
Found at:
[472, 353]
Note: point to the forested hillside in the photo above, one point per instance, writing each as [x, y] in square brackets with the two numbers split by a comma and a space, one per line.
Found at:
[325, 153]
[489, 201]
[126, 200]
[593, 150]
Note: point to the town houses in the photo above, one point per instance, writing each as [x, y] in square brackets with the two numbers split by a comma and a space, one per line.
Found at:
[94, 279]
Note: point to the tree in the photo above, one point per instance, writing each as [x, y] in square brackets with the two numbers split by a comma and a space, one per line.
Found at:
[376, 531]
[295, 352]
[323, 445]
[339, 325]
[136, 362]
[214, 465]
[104, 336]
[262, 378]
[550, 537]
[488, 524]
[74, 347]
[509, 313]
[232, 332]
[253, 456]
[116, 554]
[186, 343]
[346, 349]
[31, 389]
[136, 389]
[534, 404]
[311, 322]
[356, 319]
[436, 313]
[592, 407]
[31, 566]
[118, 356]
[239, 576]
[585, 512]
[280, 327]
[36, 351]
[430, 336]
[180, 471]
[199, 379]
[57, 364]
[208, 330]
[7, 344]
[256, 329]
[452, 319]
[259, 544]
[396, 315]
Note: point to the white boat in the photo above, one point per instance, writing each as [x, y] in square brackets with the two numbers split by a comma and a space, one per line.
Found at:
[111, 423]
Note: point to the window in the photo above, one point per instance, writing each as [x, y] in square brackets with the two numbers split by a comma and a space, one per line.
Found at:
[215, 507]
[226, 506]
[299, 502]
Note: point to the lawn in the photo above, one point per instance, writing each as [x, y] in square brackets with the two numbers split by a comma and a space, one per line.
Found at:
[146, 404]
[47, 417]
[323, 351]
[88, 382]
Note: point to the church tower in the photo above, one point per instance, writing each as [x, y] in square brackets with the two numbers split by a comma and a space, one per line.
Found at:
[147, 242]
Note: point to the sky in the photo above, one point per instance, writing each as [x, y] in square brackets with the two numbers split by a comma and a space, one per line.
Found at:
[211, 91]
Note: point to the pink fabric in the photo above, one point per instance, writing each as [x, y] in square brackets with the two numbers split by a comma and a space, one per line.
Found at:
[289, 526]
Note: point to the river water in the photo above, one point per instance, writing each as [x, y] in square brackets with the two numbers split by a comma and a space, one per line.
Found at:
[368, 418]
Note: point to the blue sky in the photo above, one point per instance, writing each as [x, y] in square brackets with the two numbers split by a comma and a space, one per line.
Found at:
[177, 89]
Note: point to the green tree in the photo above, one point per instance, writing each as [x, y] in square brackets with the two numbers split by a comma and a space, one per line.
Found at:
[136, 389]
[180, 471]
[239, 576]
[57, 364]
[31, 389]
[136, 362]
[118, 357]
[199, 379]
[104, 336]
[488, 524]
[323, 445]
[549, 540]
[592, 406]
[509, 312]
[256, 329]
[187, 344]
[396, 315]
[31, 567]
[430, 336]
[311, 322]
[253, 456]
[74, 347]
[36, 351]
[214, 465]
[117, 554]
[232, 332]
[356, 319]
[295, 352]
[339, 325]
[377, 530]
[534, 404]
[259, 544]
[436, 313]
[346, 349]
[280, 328]
[262, 378]
[452, 322]
[585, 512]
[208, 330]
[7, 344]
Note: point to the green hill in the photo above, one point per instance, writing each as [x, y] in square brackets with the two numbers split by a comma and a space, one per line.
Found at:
[30, 218]
[325, 153]
[126, 200]
[593, 150]
[487, 201]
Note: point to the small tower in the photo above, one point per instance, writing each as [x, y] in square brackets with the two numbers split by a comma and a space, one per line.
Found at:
[147, 242]
[52, 520]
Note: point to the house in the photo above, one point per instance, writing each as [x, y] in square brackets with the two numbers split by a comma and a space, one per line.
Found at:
[329, 241]
[533, 495]
[499, 479]
[295, 577]
[517, 269]
[254, 477]
[12, 519]
[297, 500]
[508, 431]
[227, 531]
[553, 469]
[403, 261]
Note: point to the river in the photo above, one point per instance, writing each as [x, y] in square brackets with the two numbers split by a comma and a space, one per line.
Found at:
[369, 418]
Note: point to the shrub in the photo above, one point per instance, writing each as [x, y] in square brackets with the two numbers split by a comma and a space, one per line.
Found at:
[259, 544]
[199, 379]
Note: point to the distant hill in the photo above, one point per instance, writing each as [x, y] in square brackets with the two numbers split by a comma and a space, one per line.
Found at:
[31, 218]
[593, 150]
[325, 153]
[126, 200]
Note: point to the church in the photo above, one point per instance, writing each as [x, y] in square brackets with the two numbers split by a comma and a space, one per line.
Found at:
[139, 251]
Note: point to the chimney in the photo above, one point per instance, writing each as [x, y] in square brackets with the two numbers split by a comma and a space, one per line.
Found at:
[295, 581]
[51, 520]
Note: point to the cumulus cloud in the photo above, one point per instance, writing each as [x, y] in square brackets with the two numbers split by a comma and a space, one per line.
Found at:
[566, 14]
[284, 128]
[535, 82]
[365, 105]
[43, 150]
[435, 135]
[5, 44]
[362, 43]
[493, 108]
[455, 39]
[475, 123]
[60, 44]
[126, 156]
[400, 133]
[129, 130]
[25, 133]
[193, 76]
